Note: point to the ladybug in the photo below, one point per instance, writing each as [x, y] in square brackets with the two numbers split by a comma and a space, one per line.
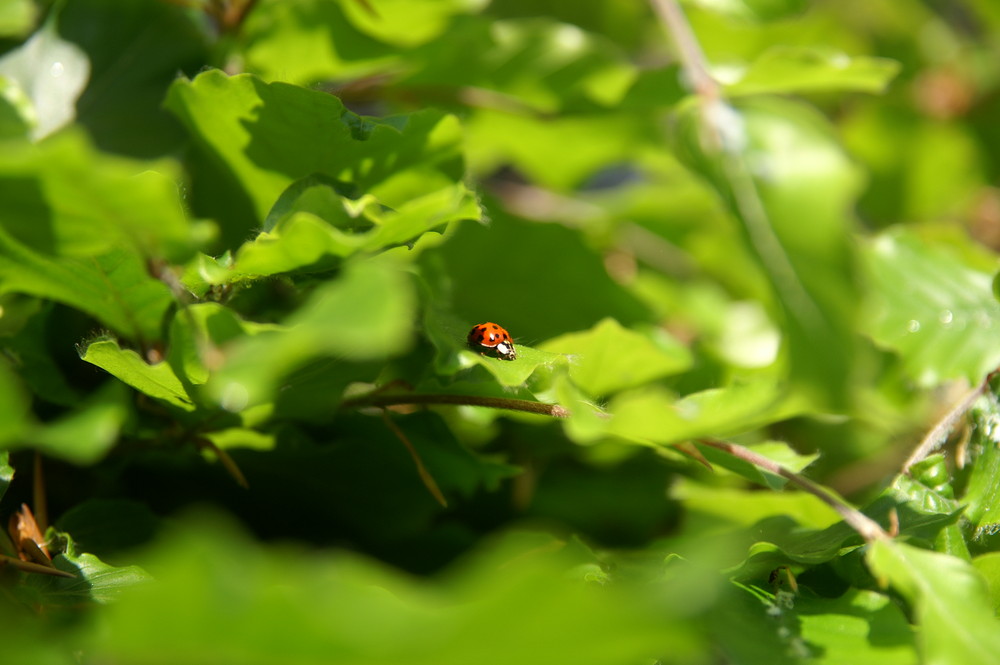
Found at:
[490, 339]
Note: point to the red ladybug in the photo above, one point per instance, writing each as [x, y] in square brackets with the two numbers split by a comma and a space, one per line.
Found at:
[490, 339]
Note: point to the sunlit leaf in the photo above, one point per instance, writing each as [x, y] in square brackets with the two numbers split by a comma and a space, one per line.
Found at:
[786, 70]
[355, 318]
[67, 199]
[94, 581]
[654, 415]
[261, 137]
[157, 381]
[84, 435]
[949, 601]
[114, 288]
[935, 310]
[608, 358]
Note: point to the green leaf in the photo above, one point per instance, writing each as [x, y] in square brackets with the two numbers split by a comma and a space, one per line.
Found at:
[94, 581]
[15, 407]
[513, 372]
[949, 600]
[114, 288]
[52, 72]
[539, 63]
[365, 314]
[30, 354]
[654, 415]
[198, 333]
[304, 41]
[84, 435]
[487, 612]
[988, 565]
[608, 358]
[936, 310]
[860, 627]
[6, 472]
[157, 381]
[785, 177]
[407, 22]
[783, 70]
[136, 50]
[982, 492]
[311, 226]
[108, 527]
[17, 17]
[599, 140]
[259, 138]
[756, 10]
[16, 111]
[574, 290]
[65, 198]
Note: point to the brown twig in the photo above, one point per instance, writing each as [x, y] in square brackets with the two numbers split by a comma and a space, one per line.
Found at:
[939, 433]
[425, 475]
[868, 528]
[527, 406]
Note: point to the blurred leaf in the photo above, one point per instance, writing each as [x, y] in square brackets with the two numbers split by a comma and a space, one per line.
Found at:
[537, 63]
[52, 72]
[608, 358]
[406, 22]
[365, 314]
[17, 17]
[988, 565]
[949, 601]
[95, 580]
[198, 333]
[135, 50]
[757, 10]
[298, 608]
[932, 308]
[782, 70]
[157, 381]
[599, 140]
[304, 41]
[860, 627]
[776, 451]
[84, 435]
[14, 405]
[114, 288]
[260, 138]
[653, 415]
[28, 353]
[6, 472]
[777, 163]
[65, 198]
[16, 111]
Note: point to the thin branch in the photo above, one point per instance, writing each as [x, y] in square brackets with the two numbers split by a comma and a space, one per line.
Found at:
[228, 463]
[30, 567]
[527, 406]
[425, 475]
[939, 433]
[868, 528]
[692, 58]
[726, 135]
